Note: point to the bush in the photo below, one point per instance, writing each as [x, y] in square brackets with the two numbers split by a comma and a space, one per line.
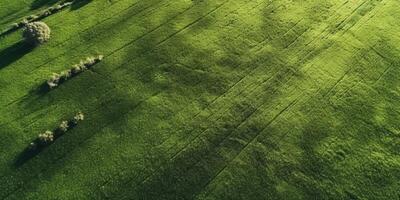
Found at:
[53, 81]
[36, 33]
[78, 117]
[64, 126]
[46, 137]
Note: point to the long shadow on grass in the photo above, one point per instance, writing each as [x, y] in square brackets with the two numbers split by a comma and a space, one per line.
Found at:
[14, 52]
[26, 155]
[37, 146]
[79, 3]
[41, 3]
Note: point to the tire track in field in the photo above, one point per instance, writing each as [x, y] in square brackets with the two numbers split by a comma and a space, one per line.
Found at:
[328, 33]
[209, 144]
[254, 91]
[254, 138]
[341, 33]
[284, 135]
[279, 141]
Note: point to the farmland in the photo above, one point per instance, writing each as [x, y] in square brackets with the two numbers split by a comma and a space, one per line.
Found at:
[204, 99]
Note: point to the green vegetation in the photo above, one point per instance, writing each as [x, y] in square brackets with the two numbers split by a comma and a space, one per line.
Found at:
[208, 99]
[57, 79]
[36, 33]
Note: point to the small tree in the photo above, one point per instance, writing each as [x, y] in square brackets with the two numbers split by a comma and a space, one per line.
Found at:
[36, 33]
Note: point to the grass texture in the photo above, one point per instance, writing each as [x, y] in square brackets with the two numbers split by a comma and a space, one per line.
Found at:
[205, 99]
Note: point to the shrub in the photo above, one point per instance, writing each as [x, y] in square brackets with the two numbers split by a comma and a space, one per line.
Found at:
[78, 117]
[53, 81]
[46, 137]
[36, 33]
[64, 126]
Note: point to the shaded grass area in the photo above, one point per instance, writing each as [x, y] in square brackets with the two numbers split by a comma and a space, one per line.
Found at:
[209, 100]
[43, 3]
[13, 53]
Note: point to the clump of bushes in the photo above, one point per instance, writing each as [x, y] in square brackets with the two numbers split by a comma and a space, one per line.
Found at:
[57, 79]
[36, 33]
[48, 137]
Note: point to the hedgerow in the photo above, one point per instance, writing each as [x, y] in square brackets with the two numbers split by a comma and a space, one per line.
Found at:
[48, 137]
[56, 79]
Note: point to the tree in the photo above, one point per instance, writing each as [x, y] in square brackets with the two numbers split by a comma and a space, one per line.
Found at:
[36, 33]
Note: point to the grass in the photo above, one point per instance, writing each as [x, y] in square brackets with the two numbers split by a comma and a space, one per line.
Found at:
[222, 99]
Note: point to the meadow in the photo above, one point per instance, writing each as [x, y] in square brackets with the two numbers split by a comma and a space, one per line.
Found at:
[204, 99]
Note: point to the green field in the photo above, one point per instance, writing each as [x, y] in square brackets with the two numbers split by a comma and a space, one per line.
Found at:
[205, 99]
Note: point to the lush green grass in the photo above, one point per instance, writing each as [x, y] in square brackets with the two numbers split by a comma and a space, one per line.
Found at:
[210, 99]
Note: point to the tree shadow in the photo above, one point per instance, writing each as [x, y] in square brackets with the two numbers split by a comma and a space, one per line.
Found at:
[79, 3]
[41, 3]
[13, 53]
[38, 146]
[26, 155]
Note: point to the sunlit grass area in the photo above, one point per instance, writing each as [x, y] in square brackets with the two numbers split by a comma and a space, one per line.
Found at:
[203, 99]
